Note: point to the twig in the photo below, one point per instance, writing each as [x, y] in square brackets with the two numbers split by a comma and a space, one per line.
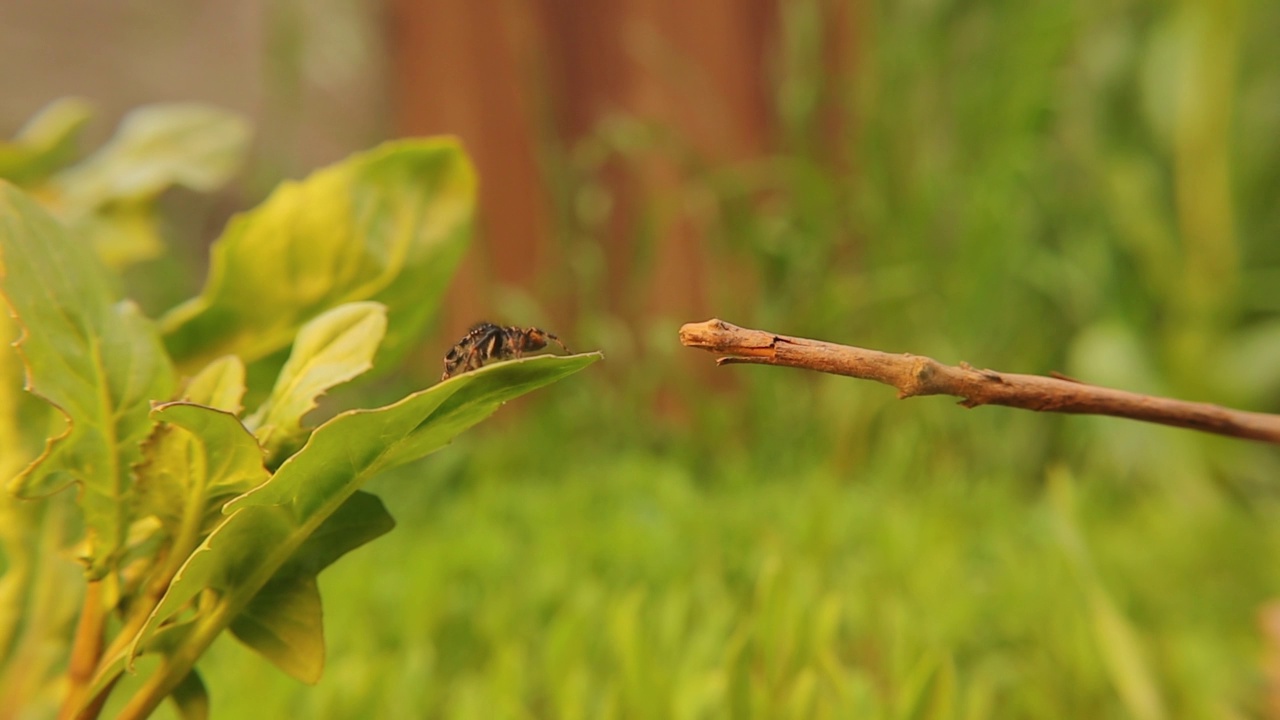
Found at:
[915, 375]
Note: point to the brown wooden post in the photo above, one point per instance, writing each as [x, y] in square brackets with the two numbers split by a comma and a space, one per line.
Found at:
[495, 73]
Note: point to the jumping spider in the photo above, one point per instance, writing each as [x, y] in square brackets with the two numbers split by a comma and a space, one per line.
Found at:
[487, 342]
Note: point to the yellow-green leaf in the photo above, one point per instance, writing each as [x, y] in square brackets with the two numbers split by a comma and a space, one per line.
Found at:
[46, 143]
[345, 451]
[98, 361]
[12, 444]
[387, 225]
[196, 146]
[284, 622]
[330, 350]
[108, 199]
[220, 385]
[195, 460]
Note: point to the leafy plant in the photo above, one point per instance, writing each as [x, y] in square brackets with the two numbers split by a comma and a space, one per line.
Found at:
[198, 516]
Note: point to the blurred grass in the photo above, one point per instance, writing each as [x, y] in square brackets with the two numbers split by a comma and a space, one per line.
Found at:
[1086, 187]
[626, 586]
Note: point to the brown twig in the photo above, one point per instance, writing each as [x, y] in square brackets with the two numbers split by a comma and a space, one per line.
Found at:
[915, 375]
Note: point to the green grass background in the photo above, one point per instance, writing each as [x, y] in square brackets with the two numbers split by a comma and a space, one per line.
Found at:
[1086, 187]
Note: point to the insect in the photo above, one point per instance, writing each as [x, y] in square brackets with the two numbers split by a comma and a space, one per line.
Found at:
[487, 342]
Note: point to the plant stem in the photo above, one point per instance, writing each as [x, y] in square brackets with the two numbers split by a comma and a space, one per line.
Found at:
[85, 651]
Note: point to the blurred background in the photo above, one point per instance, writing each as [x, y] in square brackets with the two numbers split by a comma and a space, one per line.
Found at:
[1090, 187]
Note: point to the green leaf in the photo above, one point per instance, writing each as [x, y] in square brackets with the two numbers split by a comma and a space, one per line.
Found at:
[46, 143]
[196, 460]
[36, 605]
[388, 225]
[355, 445]
[220, 384]
[275, 526]
[330, 350]
[12, 437]
[191, 698]
[108, 198]
[284, 621]
[361, 519]
[99, 362]
[121, 233]
[156, 147]
[230, 558]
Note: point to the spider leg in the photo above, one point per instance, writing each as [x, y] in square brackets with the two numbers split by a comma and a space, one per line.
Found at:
[558, 342]
[476, 358]
[451, 362]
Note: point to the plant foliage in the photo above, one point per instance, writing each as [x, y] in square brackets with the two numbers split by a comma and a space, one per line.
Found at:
[200, 517]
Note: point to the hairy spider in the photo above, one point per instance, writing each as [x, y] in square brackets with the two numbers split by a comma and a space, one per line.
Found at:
[487, 342]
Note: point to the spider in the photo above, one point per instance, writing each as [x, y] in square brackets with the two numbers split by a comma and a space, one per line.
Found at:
[487, 342]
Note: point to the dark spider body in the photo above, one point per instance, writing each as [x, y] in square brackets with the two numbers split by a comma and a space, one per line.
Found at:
[487, 342]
